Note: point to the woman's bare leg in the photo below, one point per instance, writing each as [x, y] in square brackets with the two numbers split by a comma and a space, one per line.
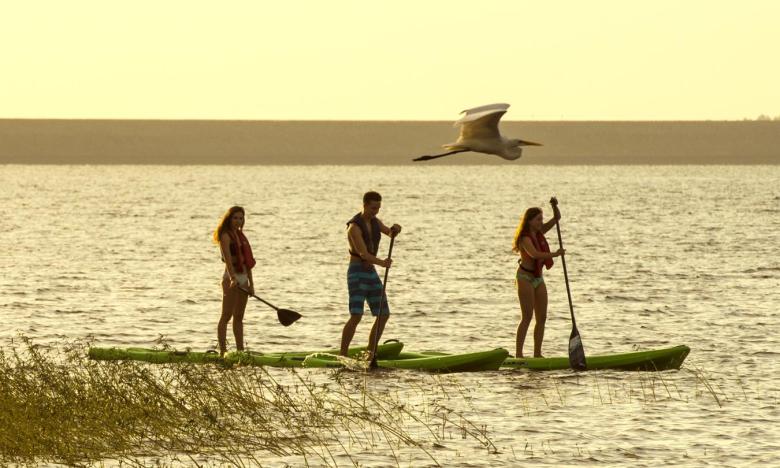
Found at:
[525, 293]
[228, 304]
[540, 314]
[238, 318]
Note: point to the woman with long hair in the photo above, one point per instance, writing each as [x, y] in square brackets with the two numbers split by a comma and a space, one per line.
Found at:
[237, 280]
[535, 254]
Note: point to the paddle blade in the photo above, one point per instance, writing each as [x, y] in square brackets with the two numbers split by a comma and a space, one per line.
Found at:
[287, 317]
[576, 351]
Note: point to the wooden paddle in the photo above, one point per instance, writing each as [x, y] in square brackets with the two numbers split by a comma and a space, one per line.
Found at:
[373, 364]
[286, 317]
[576, 351]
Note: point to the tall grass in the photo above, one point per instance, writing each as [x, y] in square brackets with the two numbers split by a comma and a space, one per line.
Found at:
[57, 406]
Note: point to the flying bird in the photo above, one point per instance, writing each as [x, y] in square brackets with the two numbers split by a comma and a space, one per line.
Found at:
[479, 133]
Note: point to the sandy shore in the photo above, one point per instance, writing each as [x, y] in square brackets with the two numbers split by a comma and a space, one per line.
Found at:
[378, 142]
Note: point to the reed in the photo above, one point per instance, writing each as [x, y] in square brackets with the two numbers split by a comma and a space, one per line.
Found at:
[57, 406]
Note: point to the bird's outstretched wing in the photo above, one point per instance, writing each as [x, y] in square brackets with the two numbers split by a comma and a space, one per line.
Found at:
[484, 127]
[489, 107]
[477, 113]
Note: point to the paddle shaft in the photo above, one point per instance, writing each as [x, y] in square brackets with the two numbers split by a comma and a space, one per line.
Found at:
[576, 351]
[565, 273]
[387, 270]
[286, 317]
[381, 303]
[260, 299]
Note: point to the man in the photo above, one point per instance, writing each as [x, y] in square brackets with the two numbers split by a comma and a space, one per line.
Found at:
[364, 231]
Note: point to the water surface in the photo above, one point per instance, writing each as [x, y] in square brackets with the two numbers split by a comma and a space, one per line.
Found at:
[657, 256]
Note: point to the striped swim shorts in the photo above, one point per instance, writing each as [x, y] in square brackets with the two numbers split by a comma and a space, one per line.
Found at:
[364, 285]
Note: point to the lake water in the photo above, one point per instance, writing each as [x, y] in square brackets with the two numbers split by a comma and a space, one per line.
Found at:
[657, 256]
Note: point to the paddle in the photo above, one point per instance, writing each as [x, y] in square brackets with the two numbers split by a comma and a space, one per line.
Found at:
[373, 364]
[576, 351]
[286, 317]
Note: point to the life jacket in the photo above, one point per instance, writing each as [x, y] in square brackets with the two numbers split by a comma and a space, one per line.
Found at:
[372, 242]
[541, 245]
[240, 251]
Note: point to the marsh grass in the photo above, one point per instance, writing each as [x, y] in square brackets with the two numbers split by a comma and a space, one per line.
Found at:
[57, 406]
[652, 388]
[691, 383]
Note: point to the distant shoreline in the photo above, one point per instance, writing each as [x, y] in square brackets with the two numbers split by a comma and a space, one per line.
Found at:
[208, 142]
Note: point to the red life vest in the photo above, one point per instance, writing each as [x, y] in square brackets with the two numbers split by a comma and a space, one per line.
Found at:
[241, 252]
[541, 245]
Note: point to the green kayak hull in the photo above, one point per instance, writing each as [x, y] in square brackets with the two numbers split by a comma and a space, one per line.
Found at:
[389, 357]
[652, 360]
[439, 362]
[388, 350]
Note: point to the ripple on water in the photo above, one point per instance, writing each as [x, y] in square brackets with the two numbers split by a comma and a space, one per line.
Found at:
[637, 281]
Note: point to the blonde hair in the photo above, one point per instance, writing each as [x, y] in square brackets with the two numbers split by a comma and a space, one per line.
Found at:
[224, 223]
[522, 228]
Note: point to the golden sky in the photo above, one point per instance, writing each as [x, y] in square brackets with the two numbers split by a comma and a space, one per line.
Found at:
[389, 60]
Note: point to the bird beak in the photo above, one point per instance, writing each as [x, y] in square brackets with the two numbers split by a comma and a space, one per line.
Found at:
[529, 143]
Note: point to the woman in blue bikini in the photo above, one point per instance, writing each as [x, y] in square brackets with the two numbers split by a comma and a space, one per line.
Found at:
[535, 254]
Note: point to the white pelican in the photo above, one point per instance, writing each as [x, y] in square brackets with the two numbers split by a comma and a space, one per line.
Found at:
[479, 133]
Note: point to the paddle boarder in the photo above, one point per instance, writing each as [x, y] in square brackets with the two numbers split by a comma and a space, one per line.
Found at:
[530, 243]
[238, 259]
[364, 231]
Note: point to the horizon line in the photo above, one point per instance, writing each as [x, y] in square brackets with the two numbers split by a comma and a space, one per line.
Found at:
[133, 119]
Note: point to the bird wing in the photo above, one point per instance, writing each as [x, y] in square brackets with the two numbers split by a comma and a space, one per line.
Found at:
[497, 106]
[485, 125]
[477, 112]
